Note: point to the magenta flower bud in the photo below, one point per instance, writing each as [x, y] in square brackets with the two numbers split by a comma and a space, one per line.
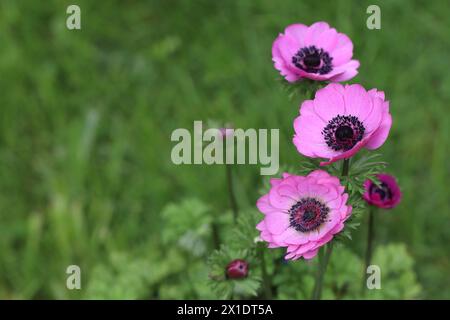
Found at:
[225, 132]
[237, 269]
[385, 196]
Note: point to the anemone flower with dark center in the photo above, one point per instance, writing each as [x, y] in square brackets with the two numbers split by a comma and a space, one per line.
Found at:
[303, 213]
[341, 120]
[317, 52]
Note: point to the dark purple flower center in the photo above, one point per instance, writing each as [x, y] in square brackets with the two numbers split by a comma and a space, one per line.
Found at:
[308, 214]
[343, 132]
[382, 190]
[313, 60]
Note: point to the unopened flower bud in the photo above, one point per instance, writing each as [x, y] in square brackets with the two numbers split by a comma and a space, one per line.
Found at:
[237, 269]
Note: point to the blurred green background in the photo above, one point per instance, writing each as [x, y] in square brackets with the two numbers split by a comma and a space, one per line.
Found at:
[86, 119]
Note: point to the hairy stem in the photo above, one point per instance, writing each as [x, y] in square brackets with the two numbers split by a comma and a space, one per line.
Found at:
[345, 167]
[232, 197]
[323, 260]
[322, 268]
[370, 242]
[267, 281]
[215, 235]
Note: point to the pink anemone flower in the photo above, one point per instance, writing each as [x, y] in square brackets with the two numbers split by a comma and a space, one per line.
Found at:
[340, 121]
[386, 195]
[303, 213]
[317, 52]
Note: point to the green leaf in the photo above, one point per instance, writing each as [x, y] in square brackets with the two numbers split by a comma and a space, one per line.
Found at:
[187, 225]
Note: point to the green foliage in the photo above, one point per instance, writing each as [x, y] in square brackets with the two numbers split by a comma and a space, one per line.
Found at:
[131, 277]
[301, 90]
[399, 280]
[87, 118]
[244, 233]
[344, 276]
[342, 279]
[364, 168]
[187, 225]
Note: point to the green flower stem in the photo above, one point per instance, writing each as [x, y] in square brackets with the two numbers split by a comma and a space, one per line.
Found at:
[370, 242]
[324, 259]
[322, 268]
[215, 235]
[319, 276]
[267, 281]
[345, 167]
[232, 197]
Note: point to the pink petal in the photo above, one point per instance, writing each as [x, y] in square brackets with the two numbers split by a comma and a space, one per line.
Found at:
[310, 254]
[373, 120]
[295, 238]
[289, 236]
[261, 226]
[314, 31]
[283, 49]
[279, 201]
[380, 135]
[276, 223]
[343, 51]
[288, 191]
[319, 174]
[275, 181]
[264, 205]
[329, 102]
[374, 93]
[350, 71]
[298, 32]
[357, 102]
[328, 40]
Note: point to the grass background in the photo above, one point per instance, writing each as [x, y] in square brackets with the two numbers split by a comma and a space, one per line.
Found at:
[86, 118]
